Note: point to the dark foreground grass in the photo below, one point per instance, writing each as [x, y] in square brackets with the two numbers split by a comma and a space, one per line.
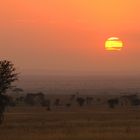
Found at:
[36, 123]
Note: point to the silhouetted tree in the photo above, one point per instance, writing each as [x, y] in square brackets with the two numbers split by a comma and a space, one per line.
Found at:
[48, 105]
[57, 102]
[80, 101]
[29, 99]
[68, 104]
[113, 102]
[89, 100]
[135, 102]
[11, 101]
[7, 76]
[132, 99]
[20, 100]
[4, 100]
[34, 98]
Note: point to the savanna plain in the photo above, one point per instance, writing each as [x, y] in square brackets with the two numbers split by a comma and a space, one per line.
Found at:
[96, 122]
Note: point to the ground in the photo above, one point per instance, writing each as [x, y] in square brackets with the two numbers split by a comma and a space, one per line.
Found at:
[35, 123]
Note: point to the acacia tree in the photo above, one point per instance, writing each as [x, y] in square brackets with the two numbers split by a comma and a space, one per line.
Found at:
[7, 77]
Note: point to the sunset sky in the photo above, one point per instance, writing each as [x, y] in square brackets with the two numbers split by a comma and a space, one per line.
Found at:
[68, 36]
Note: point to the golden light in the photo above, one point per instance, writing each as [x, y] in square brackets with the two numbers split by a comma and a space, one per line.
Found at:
[113, 44]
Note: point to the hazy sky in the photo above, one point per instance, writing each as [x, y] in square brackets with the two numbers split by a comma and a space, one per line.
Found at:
[67, 36]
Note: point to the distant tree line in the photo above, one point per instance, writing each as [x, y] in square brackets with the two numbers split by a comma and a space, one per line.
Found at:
[41, 99]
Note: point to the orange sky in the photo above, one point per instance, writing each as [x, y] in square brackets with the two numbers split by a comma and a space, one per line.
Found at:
[68, 35]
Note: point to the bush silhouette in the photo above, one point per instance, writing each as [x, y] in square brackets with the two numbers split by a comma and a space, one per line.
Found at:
[80, 101]
[113, 102]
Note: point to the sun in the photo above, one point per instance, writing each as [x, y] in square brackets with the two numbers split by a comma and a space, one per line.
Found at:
[113, 44]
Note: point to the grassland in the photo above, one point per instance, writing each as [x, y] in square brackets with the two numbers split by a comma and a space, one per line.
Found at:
[35, 123]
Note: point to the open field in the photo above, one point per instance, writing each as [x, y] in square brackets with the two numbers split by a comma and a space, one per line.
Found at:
[35, 123]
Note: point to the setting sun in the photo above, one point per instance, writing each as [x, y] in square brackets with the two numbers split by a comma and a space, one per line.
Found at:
[113, 44]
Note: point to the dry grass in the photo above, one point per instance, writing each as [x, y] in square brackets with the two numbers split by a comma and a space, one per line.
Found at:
[35, 123]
